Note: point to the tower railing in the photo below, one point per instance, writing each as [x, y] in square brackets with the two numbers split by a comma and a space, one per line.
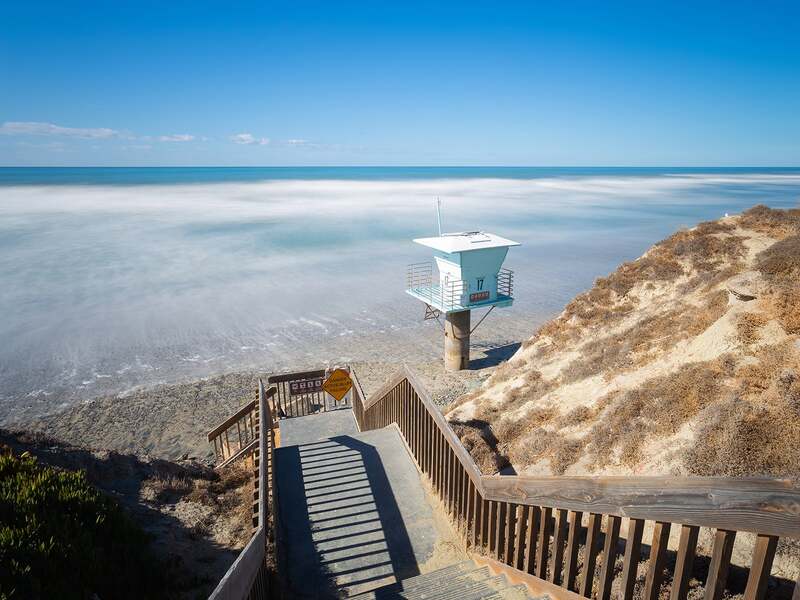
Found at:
[419, 275]
[444, 296]
[505, 282]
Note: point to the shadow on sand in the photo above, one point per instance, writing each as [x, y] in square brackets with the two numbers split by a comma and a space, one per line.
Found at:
[493, 356]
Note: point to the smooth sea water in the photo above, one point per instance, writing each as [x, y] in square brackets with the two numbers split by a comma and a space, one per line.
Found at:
[111, 278]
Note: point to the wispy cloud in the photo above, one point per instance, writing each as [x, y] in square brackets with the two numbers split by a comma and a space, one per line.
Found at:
[176, 137]
[248, 139]
[297, 142]
[49, 129]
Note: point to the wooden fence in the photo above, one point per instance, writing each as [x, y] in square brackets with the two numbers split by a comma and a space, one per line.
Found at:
[295, 399]
[237, 435]
[249, 576]
[535, 524]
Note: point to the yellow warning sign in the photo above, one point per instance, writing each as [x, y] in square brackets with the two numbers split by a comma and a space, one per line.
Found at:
[338, 384]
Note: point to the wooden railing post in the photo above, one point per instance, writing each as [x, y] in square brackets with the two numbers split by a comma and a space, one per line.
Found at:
[511, 517]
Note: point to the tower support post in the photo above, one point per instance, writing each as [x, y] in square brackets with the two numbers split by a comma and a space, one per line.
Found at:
[456, 340]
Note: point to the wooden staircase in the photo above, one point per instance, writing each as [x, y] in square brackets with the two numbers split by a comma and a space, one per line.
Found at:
[559, 536]
[461, 581]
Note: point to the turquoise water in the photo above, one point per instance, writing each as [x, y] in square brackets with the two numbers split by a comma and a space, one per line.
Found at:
[111, 278]
[177, 175]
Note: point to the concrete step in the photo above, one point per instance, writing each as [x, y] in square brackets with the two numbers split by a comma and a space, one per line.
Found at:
[460, 581]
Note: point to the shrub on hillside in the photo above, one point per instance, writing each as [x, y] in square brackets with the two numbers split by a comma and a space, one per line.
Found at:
[62, 538]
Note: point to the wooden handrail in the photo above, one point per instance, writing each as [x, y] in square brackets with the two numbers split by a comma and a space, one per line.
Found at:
[754, 504]
[513, 517]
[767, 506]
[248, 576]
[230, 421]
[293, 376]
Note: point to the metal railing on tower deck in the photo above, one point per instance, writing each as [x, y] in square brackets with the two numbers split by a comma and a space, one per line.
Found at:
[443, 296]
[419, 275]
[505, 282]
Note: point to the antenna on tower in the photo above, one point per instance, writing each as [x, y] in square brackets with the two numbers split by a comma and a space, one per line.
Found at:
[439, 215]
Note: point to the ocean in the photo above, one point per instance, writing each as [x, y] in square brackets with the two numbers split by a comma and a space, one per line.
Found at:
[112, 278]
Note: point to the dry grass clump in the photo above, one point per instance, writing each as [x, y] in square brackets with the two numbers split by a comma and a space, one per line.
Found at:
[533, 387]
[658, 408]
[781, 261]
[215, 491]
[708, 254]
[166, 487]
[780, 266]
[738, 414]
[657, 265]
[785, 305]
[577, 416]
[741, 438]
[479, 440]
[748, 326]
[640, 343]
[755, 431]
[776, 223]
[509, 429]
[545, 444]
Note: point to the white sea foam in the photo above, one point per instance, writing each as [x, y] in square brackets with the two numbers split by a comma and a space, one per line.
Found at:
[156, 280]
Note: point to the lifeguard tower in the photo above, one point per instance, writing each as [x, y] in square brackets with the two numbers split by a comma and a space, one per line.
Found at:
[470, 276]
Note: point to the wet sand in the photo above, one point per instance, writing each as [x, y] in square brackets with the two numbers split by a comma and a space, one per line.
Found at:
[171, 420]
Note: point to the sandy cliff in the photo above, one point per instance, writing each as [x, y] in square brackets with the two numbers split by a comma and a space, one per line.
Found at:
[684, 361]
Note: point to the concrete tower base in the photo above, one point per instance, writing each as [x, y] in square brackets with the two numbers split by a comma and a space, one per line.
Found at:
[456, 340]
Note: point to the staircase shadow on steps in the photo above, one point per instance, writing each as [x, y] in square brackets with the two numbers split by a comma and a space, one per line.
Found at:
[342, 531]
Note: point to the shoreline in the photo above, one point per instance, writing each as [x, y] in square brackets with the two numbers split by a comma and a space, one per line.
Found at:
[170, 420]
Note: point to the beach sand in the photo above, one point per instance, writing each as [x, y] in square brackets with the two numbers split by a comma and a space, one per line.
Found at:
[171, 420]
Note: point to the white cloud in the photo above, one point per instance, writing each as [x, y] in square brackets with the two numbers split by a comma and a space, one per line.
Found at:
[248, 139]
[49, 129]
[297, 142]
[176, 137]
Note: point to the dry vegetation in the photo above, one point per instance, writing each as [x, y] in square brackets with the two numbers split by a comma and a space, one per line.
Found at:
[196, 518]
[661, 367]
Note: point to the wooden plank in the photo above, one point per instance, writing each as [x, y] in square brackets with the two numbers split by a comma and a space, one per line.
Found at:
[543, 544]
[492, 527]
[720, 564]
[245, 450]
[451, 438]
[610, 547]
[766, 506]
[500, 525]
[285, 377]
[684, 562]
[658, 557]
[485, 515]
[590, 555]
[559, 539]
[763, 554]
[469, 521]
[510, 535]
[520, 536]
[477, 503]
[531, 539]
[536, 587]
[232, 420]
[573, 545]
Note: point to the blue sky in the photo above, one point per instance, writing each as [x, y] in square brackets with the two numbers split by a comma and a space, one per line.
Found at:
[407, 83]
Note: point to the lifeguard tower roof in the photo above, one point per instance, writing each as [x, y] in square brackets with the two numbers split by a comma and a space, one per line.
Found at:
[466, 241]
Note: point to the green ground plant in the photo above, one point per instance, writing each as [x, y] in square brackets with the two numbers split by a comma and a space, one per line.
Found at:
[62, 538]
